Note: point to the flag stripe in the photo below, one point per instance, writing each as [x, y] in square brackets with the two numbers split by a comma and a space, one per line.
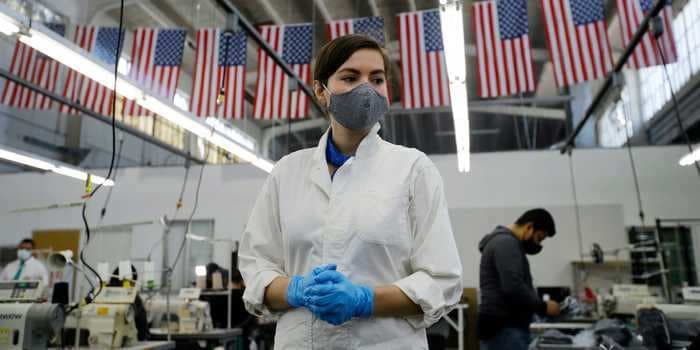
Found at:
[577, 40]
[504, 62]
[647, 52]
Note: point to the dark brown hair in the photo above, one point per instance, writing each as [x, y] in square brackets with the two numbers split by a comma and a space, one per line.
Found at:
[335, 53]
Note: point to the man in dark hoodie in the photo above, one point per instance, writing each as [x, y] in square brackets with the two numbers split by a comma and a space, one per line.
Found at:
[508, 297]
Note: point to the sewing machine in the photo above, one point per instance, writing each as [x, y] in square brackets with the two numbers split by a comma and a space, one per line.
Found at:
[109, 320]
[689, 310]
[626, 297]
[24, 322]
[187, 313]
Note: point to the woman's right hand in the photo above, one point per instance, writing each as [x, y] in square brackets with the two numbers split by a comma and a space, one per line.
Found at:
[297, 285]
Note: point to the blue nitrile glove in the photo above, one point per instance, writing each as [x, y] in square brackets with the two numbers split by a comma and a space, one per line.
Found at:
[297, 285]
[340, 300]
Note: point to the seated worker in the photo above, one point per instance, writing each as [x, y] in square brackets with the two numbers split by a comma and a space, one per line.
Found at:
[26, 267]
[140, 315]
[508, 297]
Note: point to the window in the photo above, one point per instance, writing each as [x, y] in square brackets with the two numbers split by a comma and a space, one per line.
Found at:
[654, 86]
[612, 124]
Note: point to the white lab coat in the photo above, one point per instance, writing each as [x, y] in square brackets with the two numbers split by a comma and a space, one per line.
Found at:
[383, 220]
[33, 270]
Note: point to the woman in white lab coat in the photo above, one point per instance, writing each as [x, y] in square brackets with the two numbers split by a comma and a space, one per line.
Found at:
[350, 242]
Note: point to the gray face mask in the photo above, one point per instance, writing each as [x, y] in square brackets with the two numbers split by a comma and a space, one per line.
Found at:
[359, 108]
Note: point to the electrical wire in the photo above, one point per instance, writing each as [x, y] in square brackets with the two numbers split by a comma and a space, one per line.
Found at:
[92, 294]
[103, 212]
[194, 210]
[178, 205]
[635, 176]
[576, 205]
[676, 107]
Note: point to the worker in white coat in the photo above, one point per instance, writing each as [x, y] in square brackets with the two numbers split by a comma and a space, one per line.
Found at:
[26, 267]
[350, 242]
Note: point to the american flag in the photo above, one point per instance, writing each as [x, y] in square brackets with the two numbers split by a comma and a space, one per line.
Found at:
[156, 56]
[646, 54]
[36, 68]
[219, 56]
[274, 98]
[578, 40]
[370, 26]
[503, 50]
[423, 70]
[101, 43]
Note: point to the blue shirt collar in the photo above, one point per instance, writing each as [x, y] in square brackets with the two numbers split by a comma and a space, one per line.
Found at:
[333, 155]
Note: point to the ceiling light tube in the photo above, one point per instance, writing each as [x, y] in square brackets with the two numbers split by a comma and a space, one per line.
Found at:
[690, 158]
[62, 50]
[81, 175]
[16, 157]
[7, 25]
[53, 45]
[34, 161]
[452, 27]
[231, 132]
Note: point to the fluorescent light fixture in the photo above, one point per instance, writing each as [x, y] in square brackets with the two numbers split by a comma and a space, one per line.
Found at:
[33, 161]
[69, 54]
[174, 115]
[452, 27]
[193, 237]
[7, 25]
[690, 158]
[25, 160]
[231, 132]
[80, 175]
[200, 270]
[62, 50]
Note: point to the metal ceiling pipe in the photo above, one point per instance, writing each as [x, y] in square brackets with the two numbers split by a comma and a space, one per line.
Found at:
[608, 84]
[373, 7]
[107, 120]
[248, 27]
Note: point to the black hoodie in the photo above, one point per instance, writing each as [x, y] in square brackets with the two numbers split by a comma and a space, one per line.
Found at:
[508, 298]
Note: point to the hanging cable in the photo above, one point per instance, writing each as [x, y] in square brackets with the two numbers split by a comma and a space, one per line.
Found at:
[628, 122]
[92, 294]
[657, 29]
[178, 205]
[194, 210]
[103, 212]
[576, 206]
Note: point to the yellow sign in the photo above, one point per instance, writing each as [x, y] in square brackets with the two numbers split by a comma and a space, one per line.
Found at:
[102, 311]
[5, 336]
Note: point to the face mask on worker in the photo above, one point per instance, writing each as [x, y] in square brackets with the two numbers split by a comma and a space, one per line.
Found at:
[24, 254]
[531, 247]
[359, 108]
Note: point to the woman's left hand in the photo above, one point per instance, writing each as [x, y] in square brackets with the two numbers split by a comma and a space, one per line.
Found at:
[336, 300]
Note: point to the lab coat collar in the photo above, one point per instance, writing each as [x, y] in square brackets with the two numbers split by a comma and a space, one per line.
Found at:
[319, 174]
[367, 146]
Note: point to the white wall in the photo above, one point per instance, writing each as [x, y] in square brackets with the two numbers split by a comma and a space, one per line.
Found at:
[499, 188]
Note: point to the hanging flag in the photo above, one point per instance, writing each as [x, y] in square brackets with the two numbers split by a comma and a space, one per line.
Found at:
[632, 12]
[219, 68]
[36, 68]
[503, 51]
[101, 43]
[578, 40]
[423, 70]
[156, 56]
[274, 97]
[370, 26]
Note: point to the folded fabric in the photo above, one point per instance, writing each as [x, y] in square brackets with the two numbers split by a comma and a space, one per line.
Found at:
[555, 337]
